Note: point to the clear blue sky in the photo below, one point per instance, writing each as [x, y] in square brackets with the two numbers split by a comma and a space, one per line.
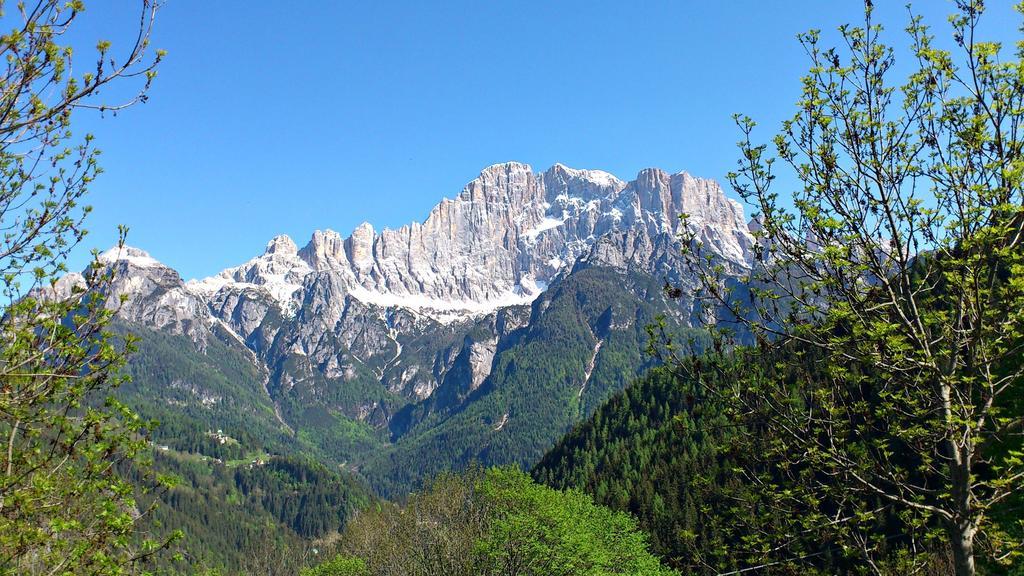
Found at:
[286, 117]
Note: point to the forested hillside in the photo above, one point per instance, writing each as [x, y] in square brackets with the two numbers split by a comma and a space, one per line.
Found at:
[586, 340]
[248, 494]
[656, 451]
[265, 515]
[689, 472]
[193, 396]
[671, 456]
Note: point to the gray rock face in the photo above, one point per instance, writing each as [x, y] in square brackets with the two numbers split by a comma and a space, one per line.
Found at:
[155, 294]
[481, 354]
[499, 242]
[422, 310]
[64, 288]
[511, 231]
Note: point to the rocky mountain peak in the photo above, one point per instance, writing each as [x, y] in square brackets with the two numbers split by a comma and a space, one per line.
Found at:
[511, 183]
[325, 251]
[155, 294]
[598, 179]
[403, 327]
[504, 170]
[360, 246]
[281, 244]
[651, 178]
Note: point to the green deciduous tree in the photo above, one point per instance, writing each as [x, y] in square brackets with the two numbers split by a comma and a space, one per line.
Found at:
[535, 530]
[494, 522]
[898, 275]
[64, 507]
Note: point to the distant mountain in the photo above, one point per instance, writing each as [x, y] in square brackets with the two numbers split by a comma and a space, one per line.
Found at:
[484, 332]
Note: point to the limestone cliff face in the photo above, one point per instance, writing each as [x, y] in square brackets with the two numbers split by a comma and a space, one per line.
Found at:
[155, 294]
[499, 242]
[421, 306]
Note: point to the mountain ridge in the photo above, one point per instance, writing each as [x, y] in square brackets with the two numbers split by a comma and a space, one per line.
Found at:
[503, 318]
[521, 228]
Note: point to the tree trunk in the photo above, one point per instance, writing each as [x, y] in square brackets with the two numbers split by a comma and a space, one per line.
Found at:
[961, 528]
[961, 539]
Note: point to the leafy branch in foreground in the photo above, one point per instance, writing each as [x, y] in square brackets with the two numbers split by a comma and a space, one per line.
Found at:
[895, 280]
[64, 506]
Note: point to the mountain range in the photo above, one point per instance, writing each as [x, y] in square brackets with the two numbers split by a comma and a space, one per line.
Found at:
[483, 333]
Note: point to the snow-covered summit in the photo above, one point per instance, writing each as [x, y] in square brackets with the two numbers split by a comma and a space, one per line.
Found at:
[599, 177]
[134, 256]
[278, 272]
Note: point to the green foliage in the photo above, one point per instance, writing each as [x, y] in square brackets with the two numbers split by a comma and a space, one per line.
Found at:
[897, 273]
[65, 507]
[308, 498]
[494, 522]
[339, 566]
[539, 531]
[659, 452]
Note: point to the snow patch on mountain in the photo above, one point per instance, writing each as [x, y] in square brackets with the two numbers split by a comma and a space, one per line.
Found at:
[448, 311]
[599, 177]
[129, 254]
[279, 273]
[546, 224]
